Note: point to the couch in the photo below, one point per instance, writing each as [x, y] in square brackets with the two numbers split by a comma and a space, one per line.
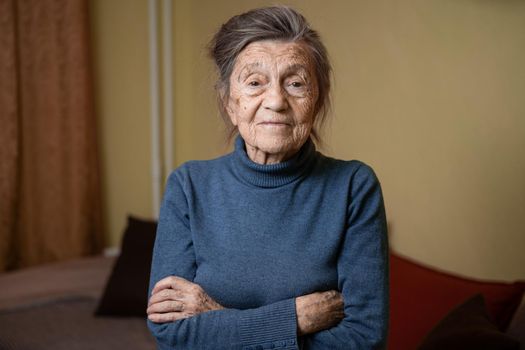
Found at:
[99, 303]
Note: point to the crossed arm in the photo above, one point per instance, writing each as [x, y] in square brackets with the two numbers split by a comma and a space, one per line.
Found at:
[174, 298]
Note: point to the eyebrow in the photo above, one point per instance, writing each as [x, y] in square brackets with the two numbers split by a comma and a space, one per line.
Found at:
[296, 67]
[249, 67]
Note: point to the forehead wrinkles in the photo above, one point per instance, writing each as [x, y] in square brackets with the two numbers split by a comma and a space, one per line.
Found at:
[268, 55]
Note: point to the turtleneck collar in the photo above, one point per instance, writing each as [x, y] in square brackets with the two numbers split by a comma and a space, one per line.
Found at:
[272, 175]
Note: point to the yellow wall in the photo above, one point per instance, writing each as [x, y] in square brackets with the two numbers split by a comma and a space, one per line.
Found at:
[428, 93]
[121, 65]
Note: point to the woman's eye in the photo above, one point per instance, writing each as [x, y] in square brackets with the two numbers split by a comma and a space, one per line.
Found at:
[254, 83]
[296, 84]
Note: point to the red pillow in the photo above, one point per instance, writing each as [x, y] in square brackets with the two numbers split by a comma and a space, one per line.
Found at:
[468, 327]
[420, 297]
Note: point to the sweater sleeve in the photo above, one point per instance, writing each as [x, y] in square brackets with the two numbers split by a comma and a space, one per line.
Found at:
[362, 272]
[269, 326]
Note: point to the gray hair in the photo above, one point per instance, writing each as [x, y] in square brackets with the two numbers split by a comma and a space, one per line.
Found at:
[269, 23]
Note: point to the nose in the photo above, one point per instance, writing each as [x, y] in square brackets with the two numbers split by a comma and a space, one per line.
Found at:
[275, 99]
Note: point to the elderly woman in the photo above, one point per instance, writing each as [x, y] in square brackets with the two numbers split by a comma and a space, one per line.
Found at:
[273, 245]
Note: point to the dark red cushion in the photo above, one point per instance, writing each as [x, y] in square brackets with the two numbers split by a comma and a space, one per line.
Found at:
[126, 292]
[420, 297]
[468, 327]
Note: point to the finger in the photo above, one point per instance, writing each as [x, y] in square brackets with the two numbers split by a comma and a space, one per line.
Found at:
[173, 282]
[164, 295]
[167, 317]
[332, 295]
[164, 283]
[165, 307]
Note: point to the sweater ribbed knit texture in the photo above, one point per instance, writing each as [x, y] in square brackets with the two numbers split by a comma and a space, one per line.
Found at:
[255, 237]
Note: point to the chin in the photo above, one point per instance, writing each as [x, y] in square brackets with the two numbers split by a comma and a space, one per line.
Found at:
[276, 147]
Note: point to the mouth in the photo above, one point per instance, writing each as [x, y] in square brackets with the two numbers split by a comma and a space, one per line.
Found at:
[274, 123]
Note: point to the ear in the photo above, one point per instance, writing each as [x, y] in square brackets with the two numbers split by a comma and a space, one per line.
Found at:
[230, 110]
[233, 116]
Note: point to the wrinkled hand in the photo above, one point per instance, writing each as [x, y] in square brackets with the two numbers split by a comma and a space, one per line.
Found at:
[318, 311]
[174, 298]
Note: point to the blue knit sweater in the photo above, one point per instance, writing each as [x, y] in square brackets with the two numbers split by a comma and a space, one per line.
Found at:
[257, 236]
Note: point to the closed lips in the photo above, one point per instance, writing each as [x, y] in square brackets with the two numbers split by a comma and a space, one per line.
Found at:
[274, 123]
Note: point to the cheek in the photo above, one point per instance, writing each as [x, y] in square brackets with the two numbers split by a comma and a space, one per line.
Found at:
[244, 107]
[305, 110]
[244, 104]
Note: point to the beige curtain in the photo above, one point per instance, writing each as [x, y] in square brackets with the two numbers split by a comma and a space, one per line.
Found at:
[49, 177]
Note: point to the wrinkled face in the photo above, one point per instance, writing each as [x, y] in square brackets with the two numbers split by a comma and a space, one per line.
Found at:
[273, 92]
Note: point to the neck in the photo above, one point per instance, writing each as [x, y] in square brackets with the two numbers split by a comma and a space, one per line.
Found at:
[283, 171]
